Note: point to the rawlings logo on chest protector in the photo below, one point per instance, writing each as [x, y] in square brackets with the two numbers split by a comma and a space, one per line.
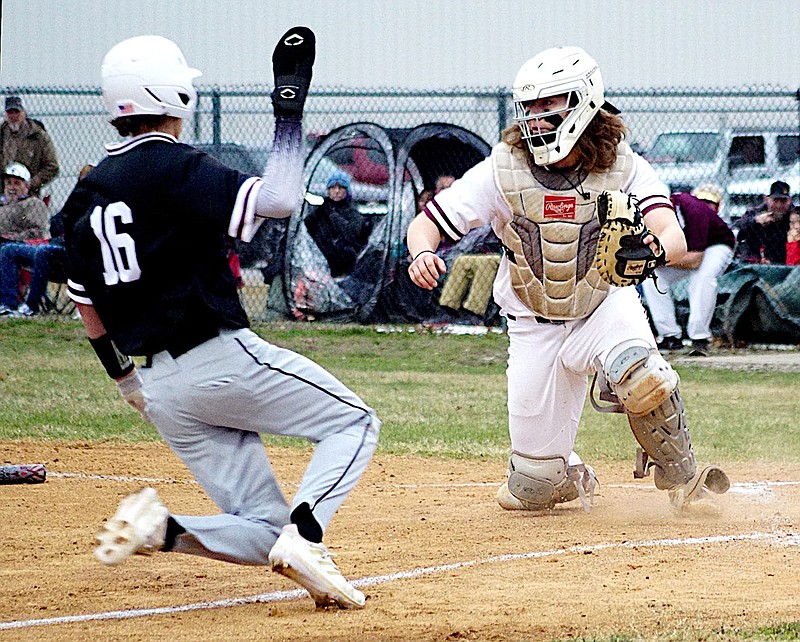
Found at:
[551, 235]
[559, 207]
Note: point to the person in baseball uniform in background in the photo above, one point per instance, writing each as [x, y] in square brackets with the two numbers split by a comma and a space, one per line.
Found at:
[538, 190]
[146, 235]
[709, 243]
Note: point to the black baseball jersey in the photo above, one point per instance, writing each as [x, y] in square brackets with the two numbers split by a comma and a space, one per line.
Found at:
[147, 234]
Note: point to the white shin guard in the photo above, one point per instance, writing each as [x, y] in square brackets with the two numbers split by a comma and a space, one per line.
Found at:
[647, 389]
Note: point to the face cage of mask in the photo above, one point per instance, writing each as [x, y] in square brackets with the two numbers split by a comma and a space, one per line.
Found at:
[533, 132]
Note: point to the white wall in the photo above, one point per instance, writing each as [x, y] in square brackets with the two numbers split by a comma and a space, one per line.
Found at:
[418, 44]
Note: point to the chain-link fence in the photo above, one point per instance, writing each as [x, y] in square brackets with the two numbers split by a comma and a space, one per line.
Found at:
[393, 145]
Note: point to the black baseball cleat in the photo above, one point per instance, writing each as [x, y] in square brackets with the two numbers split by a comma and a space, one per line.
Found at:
[699, 348]
[670, 343]
[292, 63]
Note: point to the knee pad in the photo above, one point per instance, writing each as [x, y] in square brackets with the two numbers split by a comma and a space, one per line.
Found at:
[647, 388]
[641, 379]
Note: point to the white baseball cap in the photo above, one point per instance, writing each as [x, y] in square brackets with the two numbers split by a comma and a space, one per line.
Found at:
[19, 170]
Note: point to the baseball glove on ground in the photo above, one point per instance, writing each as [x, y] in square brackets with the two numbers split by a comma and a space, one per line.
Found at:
[622, 258]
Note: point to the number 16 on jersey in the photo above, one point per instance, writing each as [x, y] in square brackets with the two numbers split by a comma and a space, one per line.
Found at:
[119, 250]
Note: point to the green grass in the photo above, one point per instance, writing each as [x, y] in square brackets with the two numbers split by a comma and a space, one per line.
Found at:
[436, 394]
[776, 633]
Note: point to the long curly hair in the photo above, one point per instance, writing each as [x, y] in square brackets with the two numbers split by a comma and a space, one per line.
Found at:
[596, 148]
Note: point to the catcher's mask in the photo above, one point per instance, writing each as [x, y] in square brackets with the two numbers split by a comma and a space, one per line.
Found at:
[561, 71]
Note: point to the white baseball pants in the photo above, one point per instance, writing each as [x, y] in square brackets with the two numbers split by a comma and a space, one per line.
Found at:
[549, 366]
[702, 290]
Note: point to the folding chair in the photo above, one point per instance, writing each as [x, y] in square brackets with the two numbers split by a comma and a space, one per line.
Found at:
[56, 300]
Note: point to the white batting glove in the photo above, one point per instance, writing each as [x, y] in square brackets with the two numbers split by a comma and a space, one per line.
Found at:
[130, 387]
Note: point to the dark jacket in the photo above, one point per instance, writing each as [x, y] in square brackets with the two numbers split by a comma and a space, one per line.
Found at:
[33, 147]
[340, 232]
[757, 243]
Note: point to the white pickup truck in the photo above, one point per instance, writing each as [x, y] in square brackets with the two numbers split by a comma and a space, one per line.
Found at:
[740, 161]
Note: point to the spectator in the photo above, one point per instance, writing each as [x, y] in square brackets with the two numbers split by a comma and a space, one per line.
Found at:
[471, 277]
[763, 230]
[793, 238]
[22, 217]
[423, 198]
[24, 140]
[337, 227]
[41, 258]
[710, 244]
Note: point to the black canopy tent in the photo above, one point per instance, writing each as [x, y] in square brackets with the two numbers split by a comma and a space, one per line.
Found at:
[389, 168]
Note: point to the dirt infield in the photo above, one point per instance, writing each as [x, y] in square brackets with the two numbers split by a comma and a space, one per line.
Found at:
[436, 556]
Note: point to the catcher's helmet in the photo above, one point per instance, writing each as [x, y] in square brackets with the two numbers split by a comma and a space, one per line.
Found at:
[559, 71]
[148, 75]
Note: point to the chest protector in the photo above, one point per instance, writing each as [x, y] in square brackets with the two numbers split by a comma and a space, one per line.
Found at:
[552, 235]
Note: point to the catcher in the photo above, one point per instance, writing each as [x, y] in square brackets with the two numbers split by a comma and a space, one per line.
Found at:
[559, 193]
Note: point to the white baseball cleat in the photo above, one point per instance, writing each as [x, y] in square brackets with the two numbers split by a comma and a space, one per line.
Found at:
[694, 499]
[509, 502]
[138, 527]
[311, 566]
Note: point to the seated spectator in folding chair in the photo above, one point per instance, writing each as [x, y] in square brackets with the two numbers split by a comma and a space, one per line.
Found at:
[471, 277]
[22, 217]
[41, 257]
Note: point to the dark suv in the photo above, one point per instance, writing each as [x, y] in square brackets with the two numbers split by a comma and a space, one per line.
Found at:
[250, 160]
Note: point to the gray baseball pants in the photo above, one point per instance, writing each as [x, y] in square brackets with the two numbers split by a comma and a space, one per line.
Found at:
[211, 405]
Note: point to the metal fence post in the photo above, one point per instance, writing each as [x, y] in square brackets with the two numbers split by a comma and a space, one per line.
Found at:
[502, 113]
[797, 98]
[216, 117]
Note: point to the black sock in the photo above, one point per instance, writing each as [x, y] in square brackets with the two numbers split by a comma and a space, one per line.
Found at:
[173, 530]
[307, 525]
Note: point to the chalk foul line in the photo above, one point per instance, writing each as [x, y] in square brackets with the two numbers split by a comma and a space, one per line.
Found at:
[786, 539]
[742, 487]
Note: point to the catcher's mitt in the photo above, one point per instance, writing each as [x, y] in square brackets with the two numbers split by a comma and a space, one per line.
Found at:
[622, 258]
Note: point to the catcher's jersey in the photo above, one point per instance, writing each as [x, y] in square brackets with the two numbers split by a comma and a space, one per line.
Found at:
[147, 234]
[477, 199]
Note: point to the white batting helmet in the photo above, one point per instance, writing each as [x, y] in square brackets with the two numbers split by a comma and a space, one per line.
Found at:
[148, 75]
[553, 72]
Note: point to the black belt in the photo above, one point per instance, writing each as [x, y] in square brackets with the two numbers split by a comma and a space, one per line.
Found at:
[185, 342]
[538, 319]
